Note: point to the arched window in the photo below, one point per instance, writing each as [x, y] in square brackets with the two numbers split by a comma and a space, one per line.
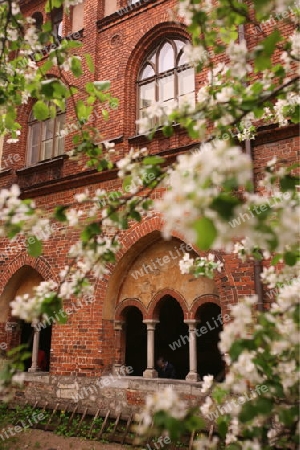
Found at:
[57, 20]
[38, 17]
[166, 76]
[45, 139]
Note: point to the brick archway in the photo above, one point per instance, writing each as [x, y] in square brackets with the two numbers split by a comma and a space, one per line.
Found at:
[199, 301]
[154, 306]
[147, 233]
[125, 304]
[40, 264]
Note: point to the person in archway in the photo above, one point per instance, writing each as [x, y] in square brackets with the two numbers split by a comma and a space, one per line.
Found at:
[42, 360]
[165, 369]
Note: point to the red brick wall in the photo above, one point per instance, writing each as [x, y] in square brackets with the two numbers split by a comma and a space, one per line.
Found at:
[118, 45]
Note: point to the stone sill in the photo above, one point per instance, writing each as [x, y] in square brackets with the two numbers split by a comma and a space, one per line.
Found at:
[44, 377]
[40, 166]
[37, 377]
[5, 171]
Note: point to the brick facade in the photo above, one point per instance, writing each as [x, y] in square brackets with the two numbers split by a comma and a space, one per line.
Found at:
[90, 344]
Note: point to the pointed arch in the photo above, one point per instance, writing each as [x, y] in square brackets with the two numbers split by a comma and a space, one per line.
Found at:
[155, 304]
[146, 45]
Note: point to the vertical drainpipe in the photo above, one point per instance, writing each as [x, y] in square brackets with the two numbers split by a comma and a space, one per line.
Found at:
[257, 264]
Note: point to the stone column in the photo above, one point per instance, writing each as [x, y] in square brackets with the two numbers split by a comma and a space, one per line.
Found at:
[150, 372]
[119, 327]
[35, 350]
[192, 375]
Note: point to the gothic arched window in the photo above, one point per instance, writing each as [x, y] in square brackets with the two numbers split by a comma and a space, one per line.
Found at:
[45, 139]
[166, 76]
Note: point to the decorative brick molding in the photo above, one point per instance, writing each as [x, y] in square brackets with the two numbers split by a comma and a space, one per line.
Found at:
[155, 304]
[125, 304]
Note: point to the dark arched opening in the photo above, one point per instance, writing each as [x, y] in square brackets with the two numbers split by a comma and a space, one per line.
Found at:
[136, 341]
[209, 357]
[171, 336]
[45, 346]
[38, 17]
[26, 338]
[27, 332]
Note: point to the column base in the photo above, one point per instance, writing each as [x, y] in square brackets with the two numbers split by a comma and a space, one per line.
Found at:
[150, 373]
[119, 370]
[192, 376]
[32, 369]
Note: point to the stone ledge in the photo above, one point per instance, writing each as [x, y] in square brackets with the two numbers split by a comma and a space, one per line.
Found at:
[37, 377]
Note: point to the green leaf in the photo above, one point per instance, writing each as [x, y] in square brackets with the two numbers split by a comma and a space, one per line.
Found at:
[206, 233]
[90, 232]
[76, 66]
[225, 205]
[34, 246]
[105, 114]
[289, 183]
[228, 35]
[41, 110]
[290, 258]
[89, 62]
[276, 259]
[59, 213]
[222, 426]
[267, 46]
[102, 85]
[153, 160]
[127, 183]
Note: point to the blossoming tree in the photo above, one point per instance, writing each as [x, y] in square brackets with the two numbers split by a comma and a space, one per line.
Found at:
[202, 198]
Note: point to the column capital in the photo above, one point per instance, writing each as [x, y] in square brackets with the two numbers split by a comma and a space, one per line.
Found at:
[151, 323]
[191, 321]
[119, 325]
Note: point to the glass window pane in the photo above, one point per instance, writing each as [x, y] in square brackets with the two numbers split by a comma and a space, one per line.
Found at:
[46, 152]
[186, 81]
[153, 58]
[147, 94]
[35, 135]
[166, 88]
[179, 45]
[47, 139]
[48, 129]
[60, 145]
[147, 72]
[166, 58]
[182, 60]
[60, 140]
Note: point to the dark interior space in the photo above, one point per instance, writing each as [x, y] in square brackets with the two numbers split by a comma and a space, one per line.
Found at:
[27, 332]
[27, 338]
[45, 344]
[136, 342]
[169, 330]
[209, 357]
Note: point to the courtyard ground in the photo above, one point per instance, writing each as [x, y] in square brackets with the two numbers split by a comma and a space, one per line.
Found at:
[38, 439]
